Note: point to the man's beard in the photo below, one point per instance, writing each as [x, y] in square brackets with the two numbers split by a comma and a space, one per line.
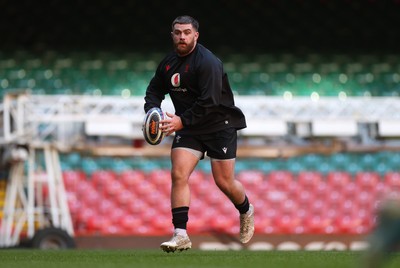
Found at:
[184, 50]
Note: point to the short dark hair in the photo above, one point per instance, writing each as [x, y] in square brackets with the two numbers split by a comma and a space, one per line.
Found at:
[186, 20]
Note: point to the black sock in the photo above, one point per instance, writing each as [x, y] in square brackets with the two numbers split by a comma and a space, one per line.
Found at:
[180, 217]
[244, 207]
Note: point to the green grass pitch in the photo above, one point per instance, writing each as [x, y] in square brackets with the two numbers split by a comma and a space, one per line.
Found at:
[193, 258]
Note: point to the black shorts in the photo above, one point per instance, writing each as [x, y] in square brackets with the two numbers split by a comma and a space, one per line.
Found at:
[219, 145]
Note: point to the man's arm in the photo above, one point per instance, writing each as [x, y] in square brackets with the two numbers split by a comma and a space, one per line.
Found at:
[155, 92]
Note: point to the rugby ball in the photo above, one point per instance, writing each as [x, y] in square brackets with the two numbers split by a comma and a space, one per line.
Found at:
[151, 126]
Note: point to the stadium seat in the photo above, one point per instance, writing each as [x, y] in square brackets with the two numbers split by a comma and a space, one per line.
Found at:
[309, 180]
[222, 223]
[280, 179]
[130, 223]
[288, 224]
[132, 177]
[304, 198]
[84, 214]
[116, 215]
[316, 224]
[250, 178]
[350, 190]
[215, 197]
[348, 206]
[144, 188]
[160, 177]
[202, 189]
[104, 206]
[72, 178]
[74, 203]
[125, 197]
[102, 178]
[367, 180]
[366, 200]
[196, 177]
[83, 187]
[153, 198]
[137, 207]
[347, 224]
[338, 179]
[91, 198]
[114, 188]
[161, 224]
[392, 180]
[321, 189]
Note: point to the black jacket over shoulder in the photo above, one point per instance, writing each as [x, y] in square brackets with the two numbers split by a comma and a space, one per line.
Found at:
[200, 92]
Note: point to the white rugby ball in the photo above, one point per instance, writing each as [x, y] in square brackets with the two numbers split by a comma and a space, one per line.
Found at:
[151, 126]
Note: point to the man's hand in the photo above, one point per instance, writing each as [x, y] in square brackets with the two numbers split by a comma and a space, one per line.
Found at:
[171, 124]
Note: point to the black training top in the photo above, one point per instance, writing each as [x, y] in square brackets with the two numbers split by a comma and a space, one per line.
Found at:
[199, 89]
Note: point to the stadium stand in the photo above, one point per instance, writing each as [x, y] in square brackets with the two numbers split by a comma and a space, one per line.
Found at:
[127, 74]
[307, 201]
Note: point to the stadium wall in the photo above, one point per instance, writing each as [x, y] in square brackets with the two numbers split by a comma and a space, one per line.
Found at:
[222, 241]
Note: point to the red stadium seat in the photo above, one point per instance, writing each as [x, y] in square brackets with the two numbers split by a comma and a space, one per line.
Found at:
[91, 198]
[222, 223]
[348, 206]
[318, 206]
[392, 180]
[196, 177]
[154, 198]
[202, 189]
[137, 207]
[334, 198]
[288, 224]
[350, 190]
[111, 229]
[367, 180]
[83, 187]
[338, 179]
[316, 224]
[116, 214]
[197, 225]
[84, 214]
[130, 178]
[305, 198]
[321, 189]
[72, 178]
[74, 203]
[250, 178]
[130, 223]
[215, 197]
[160, 177]
[98, 223]
[114, 188]
[125, 197]
[309, 179]
[288, 207]
[161, 224]
[280, 179]
[102, 178]
[144, 188]
[105, 206]
[350, 224]
[366, 200]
